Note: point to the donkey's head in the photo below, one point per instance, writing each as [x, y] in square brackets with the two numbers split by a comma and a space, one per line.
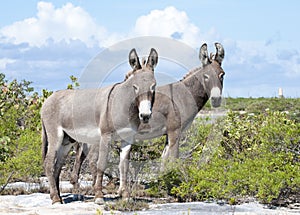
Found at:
[213, 73]
[143, 82]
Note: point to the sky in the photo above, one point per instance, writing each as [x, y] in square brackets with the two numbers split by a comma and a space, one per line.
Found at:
[47, 41]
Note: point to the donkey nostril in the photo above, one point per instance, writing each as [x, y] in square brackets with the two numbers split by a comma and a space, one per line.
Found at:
[216, 101]
[145, 117]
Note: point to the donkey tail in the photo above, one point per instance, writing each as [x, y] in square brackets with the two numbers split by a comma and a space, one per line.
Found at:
[44, 142]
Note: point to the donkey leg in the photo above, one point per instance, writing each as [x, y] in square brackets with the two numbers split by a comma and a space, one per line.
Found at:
[61, 156]
[101, 166]
[123, 167]
[53, 176]
[93, 159]
[79, 158]
[50, 165]
[171, 150]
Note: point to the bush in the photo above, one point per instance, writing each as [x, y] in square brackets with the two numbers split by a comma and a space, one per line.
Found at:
[258, 155]
[25, 162]
[20, 130]
[260, 105]
[20, 150]
[191, 145]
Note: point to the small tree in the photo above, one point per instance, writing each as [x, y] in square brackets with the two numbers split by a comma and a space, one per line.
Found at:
[20, 127]
[20, 130]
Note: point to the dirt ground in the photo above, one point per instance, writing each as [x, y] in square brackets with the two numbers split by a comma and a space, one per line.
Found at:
[40, 204]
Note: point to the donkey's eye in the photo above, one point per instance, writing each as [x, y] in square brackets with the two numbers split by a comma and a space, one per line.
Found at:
[206, 77]
[221, 76]
[136, 88]
[152, 87]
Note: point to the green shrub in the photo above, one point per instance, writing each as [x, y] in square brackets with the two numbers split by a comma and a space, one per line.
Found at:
[258, 155]
[25, 162]
[260, 105]
[20, 148]
[148, 149]
[191, 145]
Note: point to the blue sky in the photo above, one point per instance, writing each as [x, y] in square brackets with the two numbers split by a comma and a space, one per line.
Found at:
[47, 41]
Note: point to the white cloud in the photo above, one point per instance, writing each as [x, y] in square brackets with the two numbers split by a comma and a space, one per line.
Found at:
[66, 23]
[169, 22]
[71, 22]
[58, 42]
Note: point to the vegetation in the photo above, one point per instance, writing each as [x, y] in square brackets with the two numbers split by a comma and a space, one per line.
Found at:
[20, 154]
[255, 156]
[260, 105]
[127, 205]
[253, 151]
[20, 130]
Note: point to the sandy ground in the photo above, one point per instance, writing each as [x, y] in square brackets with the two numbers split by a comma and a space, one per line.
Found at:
[40, 204]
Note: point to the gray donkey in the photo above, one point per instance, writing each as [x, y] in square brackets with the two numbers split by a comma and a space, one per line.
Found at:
[97, 117]
[174, 108]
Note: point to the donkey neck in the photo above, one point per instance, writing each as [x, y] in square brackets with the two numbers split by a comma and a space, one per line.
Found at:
[194, 82]
[124, 91]
[122, 109]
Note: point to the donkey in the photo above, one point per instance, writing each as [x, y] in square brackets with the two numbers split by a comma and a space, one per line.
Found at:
[96, 117]
[174, 109]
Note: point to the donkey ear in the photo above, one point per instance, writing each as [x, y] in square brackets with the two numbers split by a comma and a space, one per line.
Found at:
[134, 60]
[203, 55]
[152, 59]
[220, 53]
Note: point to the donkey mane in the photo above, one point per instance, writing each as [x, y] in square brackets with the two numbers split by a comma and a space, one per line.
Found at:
[190, 73]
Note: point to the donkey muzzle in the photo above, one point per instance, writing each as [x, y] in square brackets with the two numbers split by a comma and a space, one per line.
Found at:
[145, 117]
[215, 97]
[216, 101]
[145, 111]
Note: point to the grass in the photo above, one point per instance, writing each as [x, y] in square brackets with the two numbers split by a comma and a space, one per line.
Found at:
[127, 205]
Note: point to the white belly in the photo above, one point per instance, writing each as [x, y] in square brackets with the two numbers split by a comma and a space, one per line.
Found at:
[89, 135]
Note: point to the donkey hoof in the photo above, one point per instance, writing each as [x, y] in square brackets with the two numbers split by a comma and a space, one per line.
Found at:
[99, 201]
[57, 202]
